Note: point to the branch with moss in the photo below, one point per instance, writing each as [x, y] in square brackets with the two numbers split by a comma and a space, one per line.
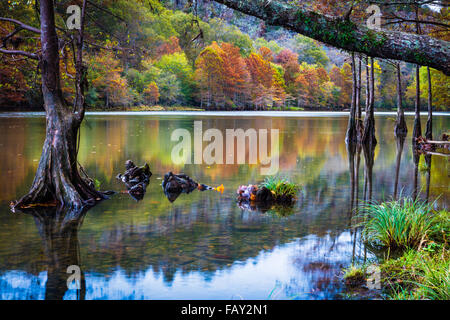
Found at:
[345, 34]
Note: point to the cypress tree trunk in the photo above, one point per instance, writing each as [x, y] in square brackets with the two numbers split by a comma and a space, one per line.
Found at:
[351, 136]
[369, 121]
[359, 122]
[57, 178]
[400, 125]
[429, 130]
[417, 130]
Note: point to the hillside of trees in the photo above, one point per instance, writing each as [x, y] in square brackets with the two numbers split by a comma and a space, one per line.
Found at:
[169, 53]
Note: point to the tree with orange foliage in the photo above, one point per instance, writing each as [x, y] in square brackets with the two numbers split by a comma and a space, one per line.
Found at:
[235, 75]
[151, 94]
[13, 85]
[210, 76]
[105, 77]
[223, 76]
[266, 53]
[289, 61]
[171, 46]
[266, 84]
[342, 78]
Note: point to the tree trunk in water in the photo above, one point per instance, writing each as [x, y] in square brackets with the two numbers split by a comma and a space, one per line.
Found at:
[57, 178]
[359, 122]
[429, 132]
[367, 85]
[400, 125]
[417, 130]
[369, 121]
[351, 136]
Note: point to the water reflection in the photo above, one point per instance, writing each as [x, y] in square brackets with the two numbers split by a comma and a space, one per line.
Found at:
[202, 245]
[58, 229]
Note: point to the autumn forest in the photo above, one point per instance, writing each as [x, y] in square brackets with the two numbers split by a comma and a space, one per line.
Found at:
[171, 53]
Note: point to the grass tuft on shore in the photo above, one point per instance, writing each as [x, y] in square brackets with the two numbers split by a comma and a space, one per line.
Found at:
[423, 274]
[420, 235]
[403, 224]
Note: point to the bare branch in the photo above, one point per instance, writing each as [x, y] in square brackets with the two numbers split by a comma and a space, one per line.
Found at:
[21, 24]
[21, 53]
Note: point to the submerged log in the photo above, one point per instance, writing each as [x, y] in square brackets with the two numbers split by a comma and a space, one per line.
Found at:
[175, 184]
[424, 145]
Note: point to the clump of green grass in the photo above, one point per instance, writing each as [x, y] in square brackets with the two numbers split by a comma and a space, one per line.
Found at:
[282, 189]
[400, 224]
[418, 275]
[354, 276]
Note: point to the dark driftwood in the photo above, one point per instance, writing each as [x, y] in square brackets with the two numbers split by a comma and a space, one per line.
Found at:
[176, 184]
[136, 179]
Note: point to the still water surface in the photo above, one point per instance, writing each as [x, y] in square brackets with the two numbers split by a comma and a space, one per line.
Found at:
[202, 246]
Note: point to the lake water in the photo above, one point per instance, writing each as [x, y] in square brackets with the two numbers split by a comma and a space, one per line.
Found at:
[202, 246]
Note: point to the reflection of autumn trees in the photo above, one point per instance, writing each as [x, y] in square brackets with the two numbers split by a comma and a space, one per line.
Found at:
[308, 147]
[17, 155]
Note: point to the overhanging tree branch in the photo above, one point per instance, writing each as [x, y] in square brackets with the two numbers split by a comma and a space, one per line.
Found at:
[339, 33]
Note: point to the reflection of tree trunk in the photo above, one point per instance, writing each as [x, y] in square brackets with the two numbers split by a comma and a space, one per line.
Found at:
[400, 142]
[428, 163]
[400, 124]
[59, 232]
[429, 132]
[356, 188]
[416, 158]
[369, 155]
[351, 170]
